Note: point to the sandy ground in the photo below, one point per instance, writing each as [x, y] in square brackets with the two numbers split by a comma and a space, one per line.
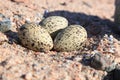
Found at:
[20, 63]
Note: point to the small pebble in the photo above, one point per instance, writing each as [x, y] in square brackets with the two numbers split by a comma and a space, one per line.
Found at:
[28, 76]
[5, 25]
[100, 62]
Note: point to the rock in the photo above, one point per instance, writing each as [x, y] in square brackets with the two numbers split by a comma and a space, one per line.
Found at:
[54, 24]
[28, 76]
[114, 75]
[70, 39]
[35, 37]
[44, 67]
[5, 25]
[101, 62]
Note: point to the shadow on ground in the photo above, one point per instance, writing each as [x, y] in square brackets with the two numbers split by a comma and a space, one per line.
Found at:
[93, 24]
[12, 37]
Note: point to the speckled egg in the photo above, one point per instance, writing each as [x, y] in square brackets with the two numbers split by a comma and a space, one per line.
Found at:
[35, 37]
[70, 39]
[54, 24]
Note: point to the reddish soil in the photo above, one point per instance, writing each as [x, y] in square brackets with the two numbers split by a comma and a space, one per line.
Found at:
[20, 63]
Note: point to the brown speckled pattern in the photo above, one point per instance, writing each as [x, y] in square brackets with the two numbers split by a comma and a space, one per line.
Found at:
[54, 23]
[35, 37]
[70, 39]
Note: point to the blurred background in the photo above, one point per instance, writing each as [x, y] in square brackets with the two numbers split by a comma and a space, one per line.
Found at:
[102, 8]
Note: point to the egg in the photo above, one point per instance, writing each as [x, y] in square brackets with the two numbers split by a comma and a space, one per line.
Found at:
[70, 39]
[54, 24]
[35, 37]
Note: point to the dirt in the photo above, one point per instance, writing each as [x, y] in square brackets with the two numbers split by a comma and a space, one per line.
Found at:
[20, 63]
